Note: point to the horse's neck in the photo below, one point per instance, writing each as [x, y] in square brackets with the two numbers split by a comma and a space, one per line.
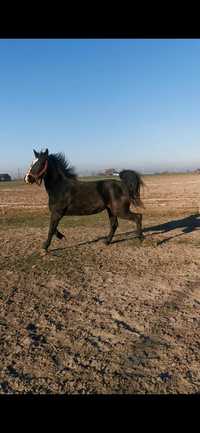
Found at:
[55, 179]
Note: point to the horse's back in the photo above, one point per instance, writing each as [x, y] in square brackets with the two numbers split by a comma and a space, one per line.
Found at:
[85, 199]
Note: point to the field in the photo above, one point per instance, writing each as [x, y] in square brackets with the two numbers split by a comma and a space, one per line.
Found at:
[91, 318]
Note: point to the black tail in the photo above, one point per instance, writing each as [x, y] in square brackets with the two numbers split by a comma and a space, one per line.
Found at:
[133, 182]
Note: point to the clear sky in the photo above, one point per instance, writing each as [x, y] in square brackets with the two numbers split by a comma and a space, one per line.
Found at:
[120, 103]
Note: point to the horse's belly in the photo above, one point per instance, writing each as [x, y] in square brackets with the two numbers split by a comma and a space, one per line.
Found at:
[87, 208]
[79, 212]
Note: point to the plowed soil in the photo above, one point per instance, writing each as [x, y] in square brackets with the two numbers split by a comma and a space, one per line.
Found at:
[91, 318]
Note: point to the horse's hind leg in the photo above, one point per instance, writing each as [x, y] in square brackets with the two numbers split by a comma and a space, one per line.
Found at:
[113, 226]
[136, 217]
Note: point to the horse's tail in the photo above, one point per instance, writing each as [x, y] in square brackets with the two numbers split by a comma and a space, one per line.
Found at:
[133, 182]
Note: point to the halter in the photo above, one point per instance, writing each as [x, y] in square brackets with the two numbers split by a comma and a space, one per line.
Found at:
[38, 175]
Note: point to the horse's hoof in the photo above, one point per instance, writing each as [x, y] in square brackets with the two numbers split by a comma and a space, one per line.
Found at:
[60, 236]
[45, 246]
[141, 237]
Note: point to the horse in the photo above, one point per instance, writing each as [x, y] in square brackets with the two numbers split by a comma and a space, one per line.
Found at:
[68, 195]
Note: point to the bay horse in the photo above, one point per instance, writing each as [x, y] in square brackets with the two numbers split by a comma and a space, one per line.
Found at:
[70, 196]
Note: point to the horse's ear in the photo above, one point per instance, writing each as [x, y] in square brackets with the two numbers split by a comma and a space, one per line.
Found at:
[35, 153]
[46, 152]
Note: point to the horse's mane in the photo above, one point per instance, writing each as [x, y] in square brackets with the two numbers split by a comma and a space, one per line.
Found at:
[61, 163]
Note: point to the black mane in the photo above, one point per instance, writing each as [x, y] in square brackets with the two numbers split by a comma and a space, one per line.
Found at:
[58, 159]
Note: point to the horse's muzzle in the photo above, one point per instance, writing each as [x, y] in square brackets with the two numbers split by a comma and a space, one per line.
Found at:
[29, 179]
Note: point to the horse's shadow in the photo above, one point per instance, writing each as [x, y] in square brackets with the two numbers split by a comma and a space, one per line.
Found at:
[188, 225]
[128, 236]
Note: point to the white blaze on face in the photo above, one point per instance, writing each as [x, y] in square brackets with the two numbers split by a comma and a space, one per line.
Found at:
[28, 172]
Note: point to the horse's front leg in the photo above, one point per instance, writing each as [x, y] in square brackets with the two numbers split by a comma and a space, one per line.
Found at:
[54, 220]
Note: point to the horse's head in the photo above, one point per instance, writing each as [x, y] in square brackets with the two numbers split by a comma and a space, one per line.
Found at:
[38, 168]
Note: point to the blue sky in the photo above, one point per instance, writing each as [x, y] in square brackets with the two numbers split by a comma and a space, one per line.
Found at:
[121, 103]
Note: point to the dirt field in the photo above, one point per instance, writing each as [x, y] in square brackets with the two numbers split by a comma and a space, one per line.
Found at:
[91, 318]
